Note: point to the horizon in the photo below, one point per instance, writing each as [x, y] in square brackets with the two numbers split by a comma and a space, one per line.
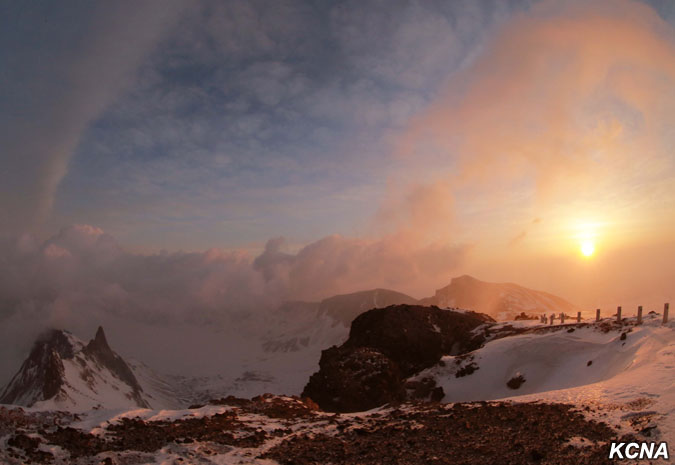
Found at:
[176, 165]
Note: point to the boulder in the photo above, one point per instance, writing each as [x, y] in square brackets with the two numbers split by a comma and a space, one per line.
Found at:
[386, 346]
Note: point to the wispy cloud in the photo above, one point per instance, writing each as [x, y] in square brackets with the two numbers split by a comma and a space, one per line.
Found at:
[56, 81]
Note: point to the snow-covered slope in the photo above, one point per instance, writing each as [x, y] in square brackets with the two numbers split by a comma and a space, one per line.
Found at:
[502, 301]
[62, 372]
[622, 367]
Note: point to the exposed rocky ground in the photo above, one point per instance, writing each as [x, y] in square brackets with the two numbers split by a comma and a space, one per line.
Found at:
[271, 429]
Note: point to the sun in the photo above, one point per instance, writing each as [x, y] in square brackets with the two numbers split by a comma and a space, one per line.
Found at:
[587, 248]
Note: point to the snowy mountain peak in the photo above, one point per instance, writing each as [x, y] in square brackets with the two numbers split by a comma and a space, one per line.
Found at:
[62, 372]
[41, 374]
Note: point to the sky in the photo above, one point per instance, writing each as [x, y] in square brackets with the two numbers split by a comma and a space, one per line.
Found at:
[174, 161]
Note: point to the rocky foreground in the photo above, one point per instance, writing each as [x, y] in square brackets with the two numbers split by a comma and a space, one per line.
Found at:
[285, 430]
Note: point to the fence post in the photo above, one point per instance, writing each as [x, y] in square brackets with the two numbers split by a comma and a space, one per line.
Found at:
[552, 317]
[597, 314]
[562, 318]
[578, 317]
[639, 319]
[618, 313]
[666, 306]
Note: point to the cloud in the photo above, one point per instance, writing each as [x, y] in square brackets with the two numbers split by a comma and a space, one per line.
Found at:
[244, 101]
[81, 277]
[58, 77]
[568, 104]
[337, 264]
[553, 110]
[564, 113]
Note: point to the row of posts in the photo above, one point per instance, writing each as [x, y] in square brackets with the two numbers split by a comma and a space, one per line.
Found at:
[666, 307]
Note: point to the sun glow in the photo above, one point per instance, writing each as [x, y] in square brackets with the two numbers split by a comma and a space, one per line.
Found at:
[587, 248]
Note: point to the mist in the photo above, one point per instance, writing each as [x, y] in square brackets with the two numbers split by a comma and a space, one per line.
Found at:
[554, 125]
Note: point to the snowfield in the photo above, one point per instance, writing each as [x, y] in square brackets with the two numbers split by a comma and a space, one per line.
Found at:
[617, 378]
[631, 375]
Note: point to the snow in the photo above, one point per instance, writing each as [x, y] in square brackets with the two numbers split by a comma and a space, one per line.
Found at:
[631, 376]
[627, 379]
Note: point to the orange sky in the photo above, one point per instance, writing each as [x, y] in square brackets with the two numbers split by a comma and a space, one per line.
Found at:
[559, 132]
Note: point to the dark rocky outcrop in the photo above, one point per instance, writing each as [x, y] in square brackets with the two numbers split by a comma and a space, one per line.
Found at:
[351, 379]
[416, 337]
[385, 347]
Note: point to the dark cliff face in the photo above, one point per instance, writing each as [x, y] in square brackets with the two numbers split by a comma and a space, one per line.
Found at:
[41, 374]
[385, 346]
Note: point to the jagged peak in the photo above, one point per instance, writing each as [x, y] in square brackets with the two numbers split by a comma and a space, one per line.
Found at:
[99, 344]
[100, 339]
[99, 348]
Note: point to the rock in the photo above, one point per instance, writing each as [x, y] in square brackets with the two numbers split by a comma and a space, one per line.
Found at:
[354, 379]
[420, 389]
[385, 347]
[516, 382]
[437, 394]
[416, 337]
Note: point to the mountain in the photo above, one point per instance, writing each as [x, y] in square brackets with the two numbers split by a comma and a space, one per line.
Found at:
[346, 307]
[65, 373]
[500, 300]
[298, 325]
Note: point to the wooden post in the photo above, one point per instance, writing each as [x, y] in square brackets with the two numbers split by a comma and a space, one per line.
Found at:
[552, 317]
[597, 314]
[562, 318]
[639, 319]
[665, 312]
[578, 317]
[618, 313]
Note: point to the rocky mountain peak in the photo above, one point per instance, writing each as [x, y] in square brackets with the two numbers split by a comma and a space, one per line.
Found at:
[99, 344]
[43, 375]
